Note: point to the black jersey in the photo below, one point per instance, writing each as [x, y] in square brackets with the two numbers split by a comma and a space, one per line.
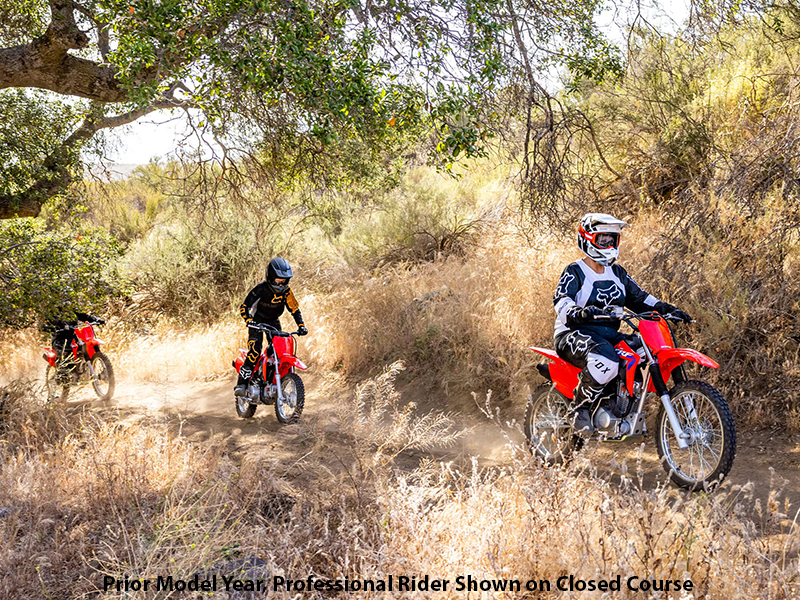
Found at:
[264, 305]
[581, 286]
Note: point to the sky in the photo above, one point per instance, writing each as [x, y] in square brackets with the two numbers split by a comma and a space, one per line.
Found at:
[160, 135]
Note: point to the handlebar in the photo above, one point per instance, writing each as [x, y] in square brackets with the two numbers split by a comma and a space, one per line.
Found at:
[627, 316]
[272, 331]
[68, 327]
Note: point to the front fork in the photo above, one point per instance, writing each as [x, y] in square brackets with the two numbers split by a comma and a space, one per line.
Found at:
[278, 375]
[681, 437]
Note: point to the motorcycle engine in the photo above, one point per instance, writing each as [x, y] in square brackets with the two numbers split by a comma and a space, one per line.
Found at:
[254, 392]
[606, 422]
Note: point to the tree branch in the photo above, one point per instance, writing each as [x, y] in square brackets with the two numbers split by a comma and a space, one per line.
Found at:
[58, 166]
[46, 63]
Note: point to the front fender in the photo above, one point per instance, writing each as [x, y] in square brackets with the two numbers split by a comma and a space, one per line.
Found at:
[92, 346]
[291, 361]
[671, 358]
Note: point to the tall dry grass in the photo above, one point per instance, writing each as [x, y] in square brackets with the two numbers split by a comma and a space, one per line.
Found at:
[464, 323]
[83, 495]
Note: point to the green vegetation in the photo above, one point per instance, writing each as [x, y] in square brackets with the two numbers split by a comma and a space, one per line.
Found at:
[46, 274]
[299, 90]
[428, 217]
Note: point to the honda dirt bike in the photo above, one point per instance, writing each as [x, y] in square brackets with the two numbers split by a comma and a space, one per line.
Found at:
[82, 362]
[694, 430]
[274, 380]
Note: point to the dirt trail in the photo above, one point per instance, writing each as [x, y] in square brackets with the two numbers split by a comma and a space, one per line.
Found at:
[205, 409]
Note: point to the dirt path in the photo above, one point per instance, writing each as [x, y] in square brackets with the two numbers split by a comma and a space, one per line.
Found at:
[771, 460]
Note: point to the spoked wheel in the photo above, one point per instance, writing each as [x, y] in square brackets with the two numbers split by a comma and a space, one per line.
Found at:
[290, 408]
[103, 378]
[550, 436]
[244, 408]
[56, 392]
[703, 414]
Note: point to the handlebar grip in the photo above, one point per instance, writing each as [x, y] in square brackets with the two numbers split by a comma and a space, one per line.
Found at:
[605, 317]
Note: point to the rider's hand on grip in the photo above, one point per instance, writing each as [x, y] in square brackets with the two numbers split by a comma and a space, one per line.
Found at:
[682, 316]
[302, 330]
[666, 308]
[580, 316]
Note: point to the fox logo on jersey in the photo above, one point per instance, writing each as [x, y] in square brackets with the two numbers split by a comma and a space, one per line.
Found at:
[563, 284]
[607, 294]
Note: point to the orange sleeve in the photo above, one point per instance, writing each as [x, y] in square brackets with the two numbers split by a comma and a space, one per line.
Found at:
[291, 302]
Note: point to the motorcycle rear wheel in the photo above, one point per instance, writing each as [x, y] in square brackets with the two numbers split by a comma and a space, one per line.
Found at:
[56, 392]
[289, 409]
[547, 429]
[103, 381]
[709, 457]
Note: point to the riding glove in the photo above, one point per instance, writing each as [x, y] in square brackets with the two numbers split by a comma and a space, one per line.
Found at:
[666, 308]
[302, 330]
[579, 316]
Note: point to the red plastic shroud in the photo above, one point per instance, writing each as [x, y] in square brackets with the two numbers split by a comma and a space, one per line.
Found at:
[655, 334]
[284, 348]
[86, 335]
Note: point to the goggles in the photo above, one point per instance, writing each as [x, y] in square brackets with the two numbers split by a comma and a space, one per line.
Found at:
[601, 239]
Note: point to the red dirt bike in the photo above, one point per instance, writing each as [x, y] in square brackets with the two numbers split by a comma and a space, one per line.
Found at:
[85, 363]
[274, 379]
[694, 429]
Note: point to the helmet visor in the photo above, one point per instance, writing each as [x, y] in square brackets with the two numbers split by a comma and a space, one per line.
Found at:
[605, 239]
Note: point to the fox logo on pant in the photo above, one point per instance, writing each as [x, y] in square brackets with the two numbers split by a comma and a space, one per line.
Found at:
[578, 344]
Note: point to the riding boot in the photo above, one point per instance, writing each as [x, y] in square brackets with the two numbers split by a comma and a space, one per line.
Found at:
[241, 383]
[585, 395]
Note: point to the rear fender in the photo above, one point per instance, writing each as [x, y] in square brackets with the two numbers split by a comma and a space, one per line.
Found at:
[49, 355]
[671, 358]
[562, 374]
[237, 364]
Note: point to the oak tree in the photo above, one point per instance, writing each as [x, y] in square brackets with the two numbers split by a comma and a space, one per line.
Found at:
[279, 84]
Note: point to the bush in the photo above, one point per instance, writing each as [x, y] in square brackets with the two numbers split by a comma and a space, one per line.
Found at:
[46, 273]
[193, 271]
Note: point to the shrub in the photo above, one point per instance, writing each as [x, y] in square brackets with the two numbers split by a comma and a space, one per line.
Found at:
[46, 273]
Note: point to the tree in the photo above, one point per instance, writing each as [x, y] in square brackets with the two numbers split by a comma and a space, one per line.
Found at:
[281, 84]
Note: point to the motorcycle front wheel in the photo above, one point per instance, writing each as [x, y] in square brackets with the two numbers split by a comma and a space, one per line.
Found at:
[547, 429]
[56, 392]
[103, 379]
[290, 408]
[704, 414]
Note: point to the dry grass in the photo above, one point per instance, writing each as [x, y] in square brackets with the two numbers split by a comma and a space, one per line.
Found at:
[21, 355]
[85, 495]
[171, 352]
[464, 323]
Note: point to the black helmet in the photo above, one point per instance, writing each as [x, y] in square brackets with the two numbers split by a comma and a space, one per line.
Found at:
[278, 268]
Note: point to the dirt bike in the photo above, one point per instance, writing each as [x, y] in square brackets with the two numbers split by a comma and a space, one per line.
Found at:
[85, 362]
[694, 430]
[274, 380]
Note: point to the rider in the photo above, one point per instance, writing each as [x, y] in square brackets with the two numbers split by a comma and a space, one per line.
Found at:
[588, 288]
[264, 304]
[62, 325]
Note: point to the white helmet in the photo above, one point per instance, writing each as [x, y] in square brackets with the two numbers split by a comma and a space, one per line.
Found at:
[598, 237]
